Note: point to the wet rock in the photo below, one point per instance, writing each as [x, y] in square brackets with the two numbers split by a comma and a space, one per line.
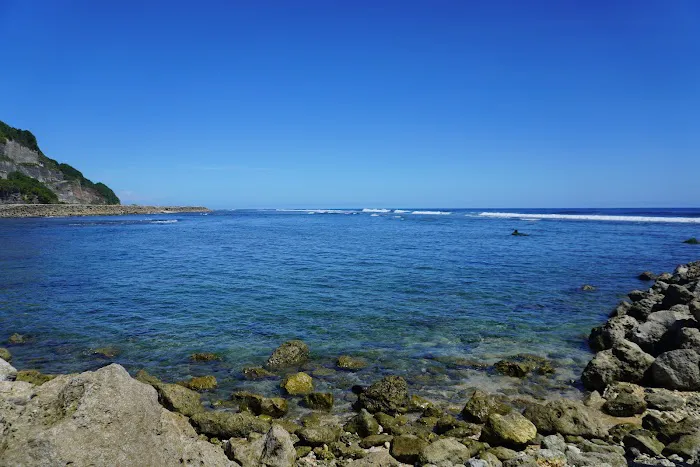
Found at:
[444, 452]
[647, 276]
[204, 357]
[17, 339]
[388, 395]
[200, 383]
[33, 377]
[407, 448]
[624, 400]
[274, 407]
[621, 309]
[179, 399]
[637, 295]
[380, 458]
[90, 418]
[588, 288]
[346, 362]
[642, 309]
[298, 384]
[522, 365]
[616, 329]
[677, 369]
[147, 378]
[419, 404]
[5, 354]
[106, 352]
[364, 424]
[255, 373]
[318, 435]
[7, 371]
[291, 353]
[347, 451]
[224, 425]
[319, 400]
[619, 431]
[511, 429]
[644, 441]
[567, 418]
[375, 440]
[481, 405]
[624, 362]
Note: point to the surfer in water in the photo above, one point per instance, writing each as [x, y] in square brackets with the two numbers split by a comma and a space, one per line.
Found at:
[518, 234]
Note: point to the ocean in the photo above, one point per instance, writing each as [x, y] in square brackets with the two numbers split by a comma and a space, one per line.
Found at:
[432, 295]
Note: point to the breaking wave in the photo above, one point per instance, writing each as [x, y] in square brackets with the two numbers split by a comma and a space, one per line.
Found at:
[590, 217]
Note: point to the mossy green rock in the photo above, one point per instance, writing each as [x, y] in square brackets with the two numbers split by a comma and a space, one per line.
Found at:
[5, 354]
[481, 405]
[319, 401]
[34, 377]
[147, 378]
[375, 440]
[443, 451]
[225, 425]
[511, 429]
[503, 453]
[318, 435]
[344, 451]
[200, 383]
[303, 451]
[290, 353]
[204, 357]
[106, 352]
[16, 339]
[522, 365]
[363, 424]
[391, 424]
[255, 373]
[346, 362]
[179, 399]
[407, 448]
[275, 407]
[687, 446]
[388, 395]
[298, 384]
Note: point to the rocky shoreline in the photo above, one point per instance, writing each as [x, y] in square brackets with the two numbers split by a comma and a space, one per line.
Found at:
[642, 408]
[67, 210]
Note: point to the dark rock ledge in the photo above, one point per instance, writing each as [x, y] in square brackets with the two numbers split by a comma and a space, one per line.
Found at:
[643, 408]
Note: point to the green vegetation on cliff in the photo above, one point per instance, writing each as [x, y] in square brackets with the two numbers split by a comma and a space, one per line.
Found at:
[30, 189]
[42, 192]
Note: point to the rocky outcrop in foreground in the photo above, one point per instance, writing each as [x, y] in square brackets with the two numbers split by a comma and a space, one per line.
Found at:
[64, 210]
[643, 408]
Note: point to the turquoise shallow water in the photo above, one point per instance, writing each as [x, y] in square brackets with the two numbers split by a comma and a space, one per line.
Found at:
[411, 293]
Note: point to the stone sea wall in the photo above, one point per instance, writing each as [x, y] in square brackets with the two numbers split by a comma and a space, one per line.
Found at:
[64, 210]
[642, 407]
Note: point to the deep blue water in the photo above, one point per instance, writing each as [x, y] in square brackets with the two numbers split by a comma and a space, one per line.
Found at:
[399, 289]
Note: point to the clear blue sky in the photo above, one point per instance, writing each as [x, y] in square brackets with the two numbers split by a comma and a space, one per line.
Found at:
[363, 103]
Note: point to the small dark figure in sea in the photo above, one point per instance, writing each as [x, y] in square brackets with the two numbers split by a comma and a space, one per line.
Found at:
[518, 234]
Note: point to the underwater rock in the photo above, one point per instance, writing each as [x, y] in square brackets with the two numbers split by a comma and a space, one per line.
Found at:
[522, 365]
[200, 383]
[291, 353]
[204, 357]
[319, 400]
[388, 395]
[254, 373]
[16, 339]
[346, 362]
[106, 352]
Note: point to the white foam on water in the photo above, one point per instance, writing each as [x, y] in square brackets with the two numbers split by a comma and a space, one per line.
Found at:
[169, 221]
[375, 215]
[591, 217]
[401, 211]
[432, 213]
[383, 211]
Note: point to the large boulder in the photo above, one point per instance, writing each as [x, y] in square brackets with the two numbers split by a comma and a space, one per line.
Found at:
[677, 369]
[290, 353]
[7, 371]
[566, 417]
[624, 362]
[363, 424]
[102, 417]
[388, 395]
[407, 448]
[614, 330]
[511, 429]
[274, 449]
[677, 295]
[624, 400]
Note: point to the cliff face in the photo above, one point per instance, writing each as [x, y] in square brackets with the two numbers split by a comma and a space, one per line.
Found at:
[68, 184]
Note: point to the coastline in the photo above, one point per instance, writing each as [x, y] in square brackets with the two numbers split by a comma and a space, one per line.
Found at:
[75, 210]
[642, 407]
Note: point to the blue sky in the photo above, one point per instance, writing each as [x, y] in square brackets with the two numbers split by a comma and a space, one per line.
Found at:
[363, 103]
